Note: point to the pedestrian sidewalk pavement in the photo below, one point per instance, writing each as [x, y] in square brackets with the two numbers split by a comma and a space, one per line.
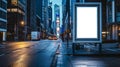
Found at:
[66, 59]
[107, 48]
[63, 60]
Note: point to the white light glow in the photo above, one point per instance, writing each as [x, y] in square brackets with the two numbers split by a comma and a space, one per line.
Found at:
[58, 29]
[87, 22]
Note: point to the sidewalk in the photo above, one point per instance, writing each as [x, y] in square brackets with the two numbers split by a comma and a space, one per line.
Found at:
[66, 59]
[63, 60]
[107, 48]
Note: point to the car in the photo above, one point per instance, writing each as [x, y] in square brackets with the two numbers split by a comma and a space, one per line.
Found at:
[52, 38]
[49, 37]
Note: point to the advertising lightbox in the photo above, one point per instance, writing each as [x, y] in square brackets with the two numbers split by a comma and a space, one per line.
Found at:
[87, 23]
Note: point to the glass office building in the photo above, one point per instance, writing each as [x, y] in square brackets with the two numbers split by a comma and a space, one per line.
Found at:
[113, 19]
[3, 19]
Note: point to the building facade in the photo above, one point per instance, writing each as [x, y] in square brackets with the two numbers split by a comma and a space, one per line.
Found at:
[31, 18]
[45, 16]
[113, 19]
[3, 19]
[66, 19]
[39, 14]
[16, 19]
[56, 19]
[34, 18]
[50, 30]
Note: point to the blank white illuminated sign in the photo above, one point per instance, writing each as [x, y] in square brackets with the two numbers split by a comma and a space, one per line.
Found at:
[87, 22]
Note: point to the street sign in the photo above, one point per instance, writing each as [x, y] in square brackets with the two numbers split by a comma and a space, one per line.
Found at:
[87, 22]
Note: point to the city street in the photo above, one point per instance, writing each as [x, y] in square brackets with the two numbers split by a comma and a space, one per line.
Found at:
[50, 53]
[28, 54]
[59, 33]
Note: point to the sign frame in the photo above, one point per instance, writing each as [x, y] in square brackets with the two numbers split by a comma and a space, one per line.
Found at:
[99, 23]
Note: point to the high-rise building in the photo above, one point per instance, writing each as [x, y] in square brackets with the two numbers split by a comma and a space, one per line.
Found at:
[64, 14]
[66, 18]
[3, 19]
[31, 17]
[16, 16]
[113, 19]
[39, 15]
[39, 22]
[34, 18]
[45, 15]
[57, 18]
[50, 30]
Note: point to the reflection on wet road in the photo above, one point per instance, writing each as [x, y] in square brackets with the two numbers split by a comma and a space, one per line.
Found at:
[29, 54]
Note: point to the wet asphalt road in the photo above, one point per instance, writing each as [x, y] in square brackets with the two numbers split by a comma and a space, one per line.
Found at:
[28, 54]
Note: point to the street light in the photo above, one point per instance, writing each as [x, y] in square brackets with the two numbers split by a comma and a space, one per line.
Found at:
[22, 23]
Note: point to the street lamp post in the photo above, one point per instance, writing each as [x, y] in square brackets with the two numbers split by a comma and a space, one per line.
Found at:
[24, 28]
[22, 23]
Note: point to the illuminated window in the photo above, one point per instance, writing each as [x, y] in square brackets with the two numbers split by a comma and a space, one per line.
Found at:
[19, 11]
[14, 2]
[14, 10]
[8, 10]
